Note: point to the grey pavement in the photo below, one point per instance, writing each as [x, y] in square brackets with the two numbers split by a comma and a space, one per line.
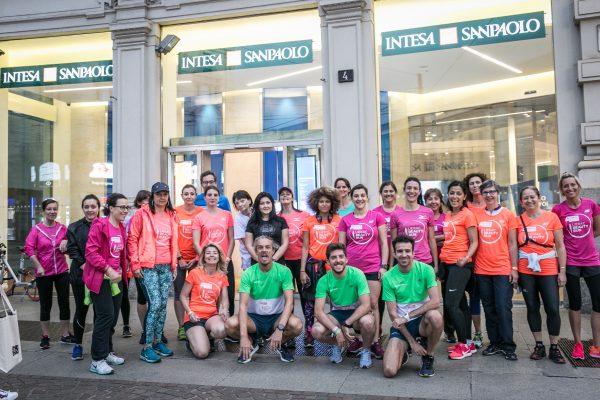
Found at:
[51, 373]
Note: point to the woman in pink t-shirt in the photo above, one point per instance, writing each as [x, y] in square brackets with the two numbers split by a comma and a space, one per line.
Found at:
[580, 218]
[416, 221]
[45, 246]
[364, 233]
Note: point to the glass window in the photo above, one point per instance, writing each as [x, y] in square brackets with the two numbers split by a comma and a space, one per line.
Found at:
[55, 95]
[468, 86]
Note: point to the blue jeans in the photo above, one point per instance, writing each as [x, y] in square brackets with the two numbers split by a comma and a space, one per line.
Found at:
[156, 284]
[496, 296]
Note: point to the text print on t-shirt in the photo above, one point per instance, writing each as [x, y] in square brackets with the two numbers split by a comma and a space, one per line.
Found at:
[216, 233]
[208, 294]
[324, 234]
[163, 233]
[417, 231]
[294, 231]
[362, 233]
[116, 246]
[185, 228]
[537, 233]
[449, 231]
[579, 225]
[490, 231]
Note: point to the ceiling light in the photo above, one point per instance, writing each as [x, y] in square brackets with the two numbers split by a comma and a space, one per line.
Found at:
[492, 60]
[78, 89]
[302, 71]
[487, 116]
[182, 82]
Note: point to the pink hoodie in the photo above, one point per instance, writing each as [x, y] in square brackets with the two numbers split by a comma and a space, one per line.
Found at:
[97, 253]
[141, 241]
[44, 243]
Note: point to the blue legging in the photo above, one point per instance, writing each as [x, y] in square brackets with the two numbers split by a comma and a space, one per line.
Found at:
[156, 284]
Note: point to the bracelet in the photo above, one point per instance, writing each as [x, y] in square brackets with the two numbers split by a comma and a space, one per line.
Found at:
[336, 331]
[515, 268]
[302, 270]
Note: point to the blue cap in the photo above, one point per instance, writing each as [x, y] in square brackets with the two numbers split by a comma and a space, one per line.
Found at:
[160, 187]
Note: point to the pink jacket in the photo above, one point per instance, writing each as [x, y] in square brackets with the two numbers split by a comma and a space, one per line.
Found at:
[39, 243]
[141, 241]
[97, 252]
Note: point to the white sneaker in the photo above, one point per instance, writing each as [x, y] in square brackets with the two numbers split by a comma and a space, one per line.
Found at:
[101, 368]
[113, 359]
[5, 395]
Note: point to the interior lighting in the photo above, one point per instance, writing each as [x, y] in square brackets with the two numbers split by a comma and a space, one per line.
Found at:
[487, 116]
[274, 78]
[492, 60]
[183, 82]
[78, 89]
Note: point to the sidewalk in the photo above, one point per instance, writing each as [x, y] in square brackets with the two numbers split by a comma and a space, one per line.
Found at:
[309, 377]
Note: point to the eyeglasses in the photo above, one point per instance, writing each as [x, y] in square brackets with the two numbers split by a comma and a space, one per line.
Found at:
[208, 182]
[489, 192]
[124, 208]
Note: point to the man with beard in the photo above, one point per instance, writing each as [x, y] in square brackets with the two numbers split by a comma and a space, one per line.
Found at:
[266, 305]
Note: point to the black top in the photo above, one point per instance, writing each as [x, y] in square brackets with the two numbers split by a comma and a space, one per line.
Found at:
[270, 228]
[77, 236]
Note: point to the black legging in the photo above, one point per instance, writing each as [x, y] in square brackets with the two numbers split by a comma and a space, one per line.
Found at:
[546, 287]
[125, 306]
[574, 291]
[61, 283]
[81, 311]
[231, 287]
[294, 266]
[443, 276]
[455, 303]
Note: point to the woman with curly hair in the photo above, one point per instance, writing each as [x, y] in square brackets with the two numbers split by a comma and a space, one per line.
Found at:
[318, 231]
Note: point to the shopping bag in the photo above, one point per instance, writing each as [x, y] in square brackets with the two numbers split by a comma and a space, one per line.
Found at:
[10, 342]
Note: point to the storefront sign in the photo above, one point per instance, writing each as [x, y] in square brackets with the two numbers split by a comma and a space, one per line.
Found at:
[257, 56]
[56, 74]
[469, 33]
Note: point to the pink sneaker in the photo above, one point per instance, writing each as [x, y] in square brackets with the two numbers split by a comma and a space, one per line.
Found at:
[472, 347]
[578, 351]
[461, 351]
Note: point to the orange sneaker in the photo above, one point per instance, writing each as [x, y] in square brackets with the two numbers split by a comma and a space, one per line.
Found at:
[461, 351]
[595, 351]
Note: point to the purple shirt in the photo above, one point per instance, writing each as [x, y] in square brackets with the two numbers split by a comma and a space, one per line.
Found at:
[416, 225]
[578, 230]
[362, 240]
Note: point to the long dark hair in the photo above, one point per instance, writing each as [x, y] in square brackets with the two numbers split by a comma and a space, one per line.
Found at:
[256, 216]
[140, 197]
[111, 201]
[461, 185]
[415, 179]
[479, 175]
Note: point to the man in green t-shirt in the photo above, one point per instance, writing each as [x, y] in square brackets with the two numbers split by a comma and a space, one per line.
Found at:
[348, 292]
[266, 305]
[413, 301]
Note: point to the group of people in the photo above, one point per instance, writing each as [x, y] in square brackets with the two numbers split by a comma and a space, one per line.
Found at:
[360, 260]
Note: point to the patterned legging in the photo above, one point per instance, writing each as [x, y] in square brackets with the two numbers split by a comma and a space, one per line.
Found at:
[156, 284]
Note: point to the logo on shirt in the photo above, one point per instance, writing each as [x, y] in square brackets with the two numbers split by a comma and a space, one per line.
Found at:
[536, 232]
[185, 228]
[416, 231]
[578, 225]
[490, 231]
[163, 233]
[216, 234]
[323, 234]
[294, 233]
[449, 231]
[361, 234]
[116, 246]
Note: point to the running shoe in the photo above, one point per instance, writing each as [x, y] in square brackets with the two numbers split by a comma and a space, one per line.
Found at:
[77, 353]
[405, 358]
[376, 350]
[113, 359]
[290, 344]
[127, 332]
[555, 356]
[539, 352]
[45, 343]
[211, 345]
[67, 339]
[450, 339]
[285, 355]
[6, 395]
[231, 339]
[510, 356]
[162, 349]
[309, 340]
[492, 350]
[336, 354]
[101, 368]
[243, 360]
[354, 346]
[149, 355]
[578, 353]
[595, 351]
[478, 339]
[188, 347]
[143, 338]
[426, 370]
[461, 351]
[181, 334]
[365, 359]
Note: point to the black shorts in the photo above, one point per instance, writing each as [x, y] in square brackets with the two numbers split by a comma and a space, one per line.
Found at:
[141, 297]
[341, 315]
[179, 281]
[265, 324]
[583, 272]
[191, 324]
[413, 329]
[372, 276]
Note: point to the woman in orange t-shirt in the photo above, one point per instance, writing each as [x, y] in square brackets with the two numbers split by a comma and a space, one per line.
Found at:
[460, 244]
[204, 289]
[542, 269]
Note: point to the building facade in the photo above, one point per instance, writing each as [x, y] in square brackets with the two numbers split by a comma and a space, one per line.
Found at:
[296, 93]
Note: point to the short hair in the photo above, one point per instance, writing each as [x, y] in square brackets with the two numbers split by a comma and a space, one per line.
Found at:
[411, 179]
[111, 201]
[140, 197]
[212, 187]
[536, 191]
[461, 185]
[188, 186]
[47, 202]
[358, 187]
[333, 247]
[273, 242]
[207, 173]
[566, 175]
[346, 181]
[91, 197]
[403, 239]
[387, 183]
[327, 192]
[479, 175]
[241, 194]
[488, 184]
[435, 191]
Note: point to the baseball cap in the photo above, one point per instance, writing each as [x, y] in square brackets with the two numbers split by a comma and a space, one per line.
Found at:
[285, 189]
[160, 187]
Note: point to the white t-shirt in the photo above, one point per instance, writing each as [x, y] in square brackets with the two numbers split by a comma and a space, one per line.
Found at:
[239, 232]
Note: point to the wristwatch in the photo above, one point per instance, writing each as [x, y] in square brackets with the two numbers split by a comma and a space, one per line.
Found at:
[349, 326]
[385, 266]
[281, 327]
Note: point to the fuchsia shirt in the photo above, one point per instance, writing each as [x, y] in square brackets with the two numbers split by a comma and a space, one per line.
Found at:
[116, 246]
[362, 240]
[44, 242]
[578, 230]
[416, 225]
[388, 220]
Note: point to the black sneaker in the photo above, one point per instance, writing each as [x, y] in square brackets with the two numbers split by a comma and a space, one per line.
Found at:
[555, 356]
[539, 352]
[285, 355]
[143, 338]
[68, 339]
[212, 347]
[290, 344]
[231, 339]
[243, 360]
[510, 356]
[127, 332]
[491, 350]
[426, 370]
[45, 343]
[405, 358]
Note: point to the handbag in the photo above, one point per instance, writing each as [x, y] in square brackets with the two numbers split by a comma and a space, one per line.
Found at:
[10, 341]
